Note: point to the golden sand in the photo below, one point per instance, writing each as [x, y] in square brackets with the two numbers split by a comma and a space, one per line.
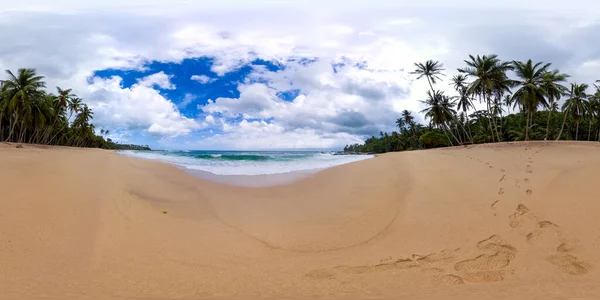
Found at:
[509, 221]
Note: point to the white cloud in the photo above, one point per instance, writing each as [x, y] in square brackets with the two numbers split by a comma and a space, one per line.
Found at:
[187, 100]
[262, 135]
[139, 107]
[202, 78]
[159, 79]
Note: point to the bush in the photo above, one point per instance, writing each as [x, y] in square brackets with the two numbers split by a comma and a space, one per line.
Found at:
[434, 139]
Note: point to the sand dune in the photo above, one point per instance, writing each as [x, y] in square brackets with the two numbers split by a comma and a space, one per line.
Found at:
[516, 220]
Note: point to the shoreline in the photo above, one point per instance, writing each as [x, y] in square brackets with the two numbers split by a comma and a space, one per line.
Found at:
[456, 223]
[247, 180]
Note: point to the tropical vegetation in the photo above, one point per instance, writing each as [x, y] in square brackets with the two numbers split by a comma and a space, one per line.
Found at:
[519, 101]
[31, 114]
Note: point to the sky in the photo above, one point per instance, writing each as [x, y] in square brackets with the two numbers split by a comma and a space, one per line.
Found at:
[277, 74]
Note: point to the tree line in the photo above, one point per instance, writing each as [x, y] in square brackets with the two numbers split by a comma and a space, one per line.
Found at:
[29, 114]
[521, 103]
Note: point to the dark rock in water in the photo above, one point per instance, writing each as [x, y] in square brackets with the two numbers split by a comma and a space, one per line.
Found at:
[19, 146]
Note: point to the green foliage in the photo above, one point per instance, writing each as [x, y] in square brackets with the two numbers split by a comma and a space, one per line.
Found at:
[433, 139]
[29, 114]
[534, 92]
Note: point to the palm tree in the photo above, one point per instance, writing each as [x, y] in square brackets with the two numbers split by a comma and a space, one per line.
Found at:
[576, 105]
[74, 106]
[491, 78]
[19, 91]
[464, 103]
[554, 91]
[431, 70]
[530, 92]
[409, 120]
[440, 111]
[63, 99]
[459, 81]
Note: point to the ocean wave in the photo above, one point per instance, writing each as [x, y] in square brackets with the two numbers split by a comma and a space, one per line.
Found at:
[233, 157]
[248, 163]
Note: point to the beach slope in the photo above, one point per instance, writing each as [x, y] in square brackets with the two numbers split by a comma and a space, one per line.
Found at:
[513, 220]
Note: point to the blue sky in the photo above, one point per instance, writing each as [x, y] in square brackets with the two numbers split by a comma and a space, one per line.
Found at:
[237, 74]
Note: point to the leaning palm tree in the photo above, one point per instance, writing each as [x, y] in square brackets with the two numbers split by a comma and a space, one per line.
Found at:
[74, 106]
[463, 104]
[431, 70]
[554, 91]
[490, 79]
[576, 105]
[19, 91]
[440, 112]
[530, 92]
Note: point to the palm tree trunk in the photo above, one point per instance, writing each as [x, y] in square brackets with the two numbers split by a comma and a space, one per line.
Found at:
[469, 128]
[548, 125]
[494, 125]
[577, 129]
[563, 124]
[11, 126]
[450, 130]
[589, 130]
[449, 139]
[431, 86]
[565, 118]
[23, 129]
[527, 127]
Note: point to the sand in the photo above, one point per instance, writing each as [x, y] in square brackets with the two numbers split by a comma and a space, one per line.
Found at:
[516, 221]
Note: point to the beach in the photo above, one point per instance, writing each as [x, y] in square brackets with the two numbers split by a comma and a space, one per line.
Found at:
[497, 221]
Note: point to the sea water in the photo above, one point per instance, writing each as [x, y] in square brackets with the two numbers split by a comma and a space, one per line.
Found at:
[248, 162]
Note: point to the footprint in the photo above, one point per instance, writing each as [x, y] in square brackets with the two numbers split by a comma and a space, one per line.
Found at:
[526, 180]
[502, 170]
[501, 257]
[502, 178]
[528, 192]
[569, 264]
[494, 204]
[516, 218]
[485, 276]
[567, 246]
[501, 191]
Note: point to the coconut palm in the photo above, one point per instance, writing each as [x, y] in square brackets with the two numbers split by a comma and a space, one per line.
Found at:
[530, 92]
[576, 106]
[490, 79]
[551, 84]
[409, 120]
[19, 91]
[463, 104]
[432, 70]
[439, 111]
[593, 113]
[74, 106]
[459, 81]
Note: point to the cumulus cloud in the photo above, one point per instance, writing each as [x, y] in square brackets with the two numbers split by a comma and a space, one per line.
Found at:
[202, 78]
[139, 107]
[160, 80]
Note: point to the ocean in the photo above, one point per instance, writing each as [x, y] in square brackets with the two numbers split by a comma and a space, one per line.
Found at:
[248, 162]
